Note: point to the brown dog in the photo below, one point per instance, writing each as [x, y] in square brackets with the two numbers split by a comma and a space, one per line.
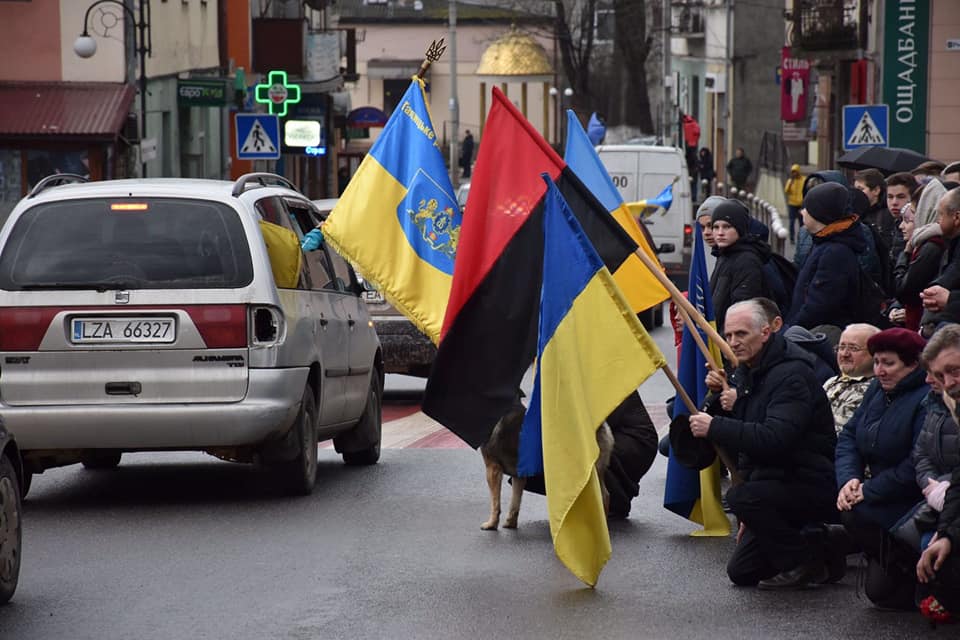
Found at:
[500, 456]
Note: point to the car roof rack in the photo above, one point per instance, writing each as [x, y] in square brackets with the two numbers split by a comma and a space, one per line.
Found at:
[55, 180]
[260, 179]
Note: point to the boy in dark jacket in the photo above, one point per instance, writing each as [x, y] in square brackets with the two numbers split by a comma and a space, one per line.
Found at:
[740, 258]
[828, 286]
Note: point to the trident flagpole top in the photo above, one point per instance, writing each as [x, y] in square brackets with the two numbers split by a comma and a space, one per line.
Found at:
[434, 51]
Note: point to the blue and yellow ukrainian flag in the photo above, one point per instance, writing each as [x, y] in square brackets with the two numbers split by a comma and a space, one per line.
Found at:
[693, 494]
[398, 221]
[664, 199]
[591, 353]
[641, 288]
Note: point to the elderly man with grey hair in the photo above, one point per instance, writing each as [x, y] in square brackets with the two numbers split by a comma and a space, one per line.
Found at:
[939, 567]
[845, 391]
[779, 425]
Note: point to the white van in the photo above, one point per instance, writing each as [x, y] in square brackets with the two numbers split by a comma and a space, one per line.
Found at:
[641, 172]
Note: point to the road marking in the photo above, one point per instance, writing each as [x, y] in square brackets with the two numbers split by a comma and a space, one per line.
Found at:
[406, 427]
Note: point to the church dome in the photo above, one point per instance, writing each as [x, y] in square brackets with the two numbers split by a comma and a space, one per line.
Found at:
[514, 54]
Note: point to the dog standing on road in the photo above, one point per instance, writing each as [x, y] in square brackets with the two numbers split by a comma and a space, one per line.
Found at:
[500, 456]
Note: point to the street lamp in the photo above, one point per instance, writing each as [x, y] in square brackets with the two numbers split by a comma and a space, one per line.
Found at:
[85, 47]
[560, 122]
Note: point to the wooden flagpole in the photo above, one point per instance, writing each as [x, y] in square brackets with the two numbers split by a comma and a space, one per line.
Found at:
[725, 458]
[684, 304]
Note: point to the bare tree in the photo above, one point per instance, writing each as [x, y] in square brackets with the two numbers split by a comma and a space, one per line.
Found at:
[611, 80]
[602, 59]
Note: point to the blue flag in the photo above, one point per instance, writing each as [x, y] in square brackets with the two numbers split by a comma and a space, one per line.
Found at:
[592, 352]
[693, 494]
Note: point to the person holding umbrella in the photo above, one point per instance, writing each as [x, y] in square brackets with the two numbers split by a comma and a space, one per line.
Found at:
[887, 159]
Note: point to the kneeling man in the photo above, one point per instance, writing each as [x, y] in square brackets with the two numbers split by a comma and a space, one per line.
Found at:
[776, 418]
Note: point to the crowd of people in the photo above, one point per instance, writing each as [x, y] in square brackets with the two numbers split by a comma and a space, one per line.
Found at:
[841, 412]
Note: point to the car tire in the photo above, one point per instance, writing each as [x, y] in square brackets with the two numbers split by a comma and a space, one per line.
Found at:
[10, 529]
[370, 422]
[26, 484]
[299, 475]
[100, 459]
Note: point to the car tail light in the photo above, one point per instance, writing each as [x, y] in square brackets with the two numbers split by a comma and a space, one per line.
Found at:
[267, 325]
[222, 326]
[687, 235]
[22, 328]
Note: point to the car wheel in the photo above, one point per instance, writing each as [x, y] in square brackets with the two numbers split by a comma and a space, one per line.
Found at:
[370, 422]
[97, 459]
[10, 529]
[299, 475]
[26, 483]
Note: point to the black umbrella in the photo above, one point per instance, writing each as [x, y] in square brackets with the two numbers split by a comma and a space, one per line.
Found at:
[886, 159]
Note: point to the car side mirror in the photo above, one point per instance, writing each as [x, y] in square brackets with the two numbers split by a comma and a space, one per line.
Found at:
[666, 247]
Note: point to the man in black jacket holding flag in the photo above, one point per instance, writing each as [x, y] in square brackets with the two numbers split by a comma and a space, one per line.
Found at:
[776, 417]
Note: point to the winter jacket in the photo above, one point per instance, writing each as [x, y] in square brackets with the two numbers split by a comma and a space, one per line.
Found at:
[794, 187]
[739, 170]
[869, 259]
[949, 279]
[937, 450]
[634, 450]
[879, 217]
[705, 165]
[829, 281]
[948, 526]
[738, 275]
[913, 273]
[881, 435]
[781, 426]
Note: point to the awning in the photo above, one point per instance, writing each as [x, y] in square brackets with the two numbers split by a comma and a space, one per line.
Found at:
[65, 110]
[366, 117]
[389, 68]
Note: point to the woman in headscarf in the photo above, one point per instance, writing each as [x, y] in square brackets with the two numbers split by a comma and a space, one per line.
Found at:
[919, 263]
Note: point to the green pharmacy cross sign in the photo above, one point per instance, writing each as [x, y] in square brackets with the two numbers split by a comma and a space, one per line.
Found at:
[277, 93]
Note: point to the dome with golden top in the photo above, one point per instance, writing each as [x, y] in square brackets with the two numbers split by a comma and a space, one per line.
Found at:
[515, 54]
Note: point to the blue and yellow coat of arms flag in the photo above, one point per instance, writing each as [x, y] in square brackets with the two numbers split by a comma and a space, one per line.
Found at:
[398, 221]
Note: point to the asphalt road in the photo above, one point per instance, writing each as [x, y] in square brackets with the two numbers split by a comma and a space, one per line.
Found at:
[185, 546]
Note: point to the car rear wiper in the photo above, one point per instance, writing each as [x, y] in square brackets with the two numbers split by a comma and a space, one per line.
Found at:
[97, 285]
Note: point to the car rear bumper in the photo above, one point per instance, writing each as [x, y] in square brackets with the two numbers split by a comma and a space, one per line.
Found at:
[405, 349]
[270, 406]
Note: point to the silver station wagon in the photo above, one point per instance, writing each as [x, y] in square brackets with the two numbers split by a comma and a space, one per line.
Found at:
[163, 314]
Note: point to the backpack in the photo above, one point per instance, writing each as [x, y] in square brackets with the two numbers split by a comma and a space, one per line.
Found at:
[870, 301]
[780, 278]
[876, 259]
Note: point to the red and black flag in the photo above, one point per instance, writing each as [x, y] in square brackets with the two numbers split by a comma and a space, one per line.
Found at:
[489, 334]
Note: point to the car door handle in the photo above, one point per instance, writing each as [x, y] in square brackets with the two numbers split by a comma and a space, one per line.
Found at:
[351, 321]
[323, 321]
[123, 388]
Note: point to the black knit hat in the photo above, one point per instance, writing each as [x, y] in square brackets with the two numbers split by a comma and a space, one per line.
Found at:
[734, 213]
[828, 202]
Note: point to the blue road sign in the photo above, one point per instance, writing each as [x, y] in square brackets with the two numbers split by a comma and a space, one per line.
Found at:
[258, 136]
[866, 125]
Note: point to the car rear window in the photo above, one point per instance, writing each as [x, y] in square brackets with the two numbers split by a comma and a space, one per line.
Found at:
[147, 243]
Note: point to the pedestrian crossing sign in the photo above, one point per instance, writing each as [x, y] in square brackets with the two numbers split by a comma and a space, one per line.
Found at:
[258, 136]
[865, 125]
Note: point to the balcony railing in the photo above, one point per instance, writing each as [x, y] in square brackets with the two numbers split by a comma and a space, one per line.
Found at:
[829, 24]
[688, 19]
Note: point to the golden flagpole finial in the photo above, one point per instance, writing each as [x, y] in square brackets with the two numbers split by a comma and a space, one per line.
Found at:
[434, 51]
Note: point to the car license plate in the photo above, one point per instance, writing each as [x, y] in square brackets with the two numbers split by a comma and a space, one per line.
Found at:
[123, 330]
[373, 296]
